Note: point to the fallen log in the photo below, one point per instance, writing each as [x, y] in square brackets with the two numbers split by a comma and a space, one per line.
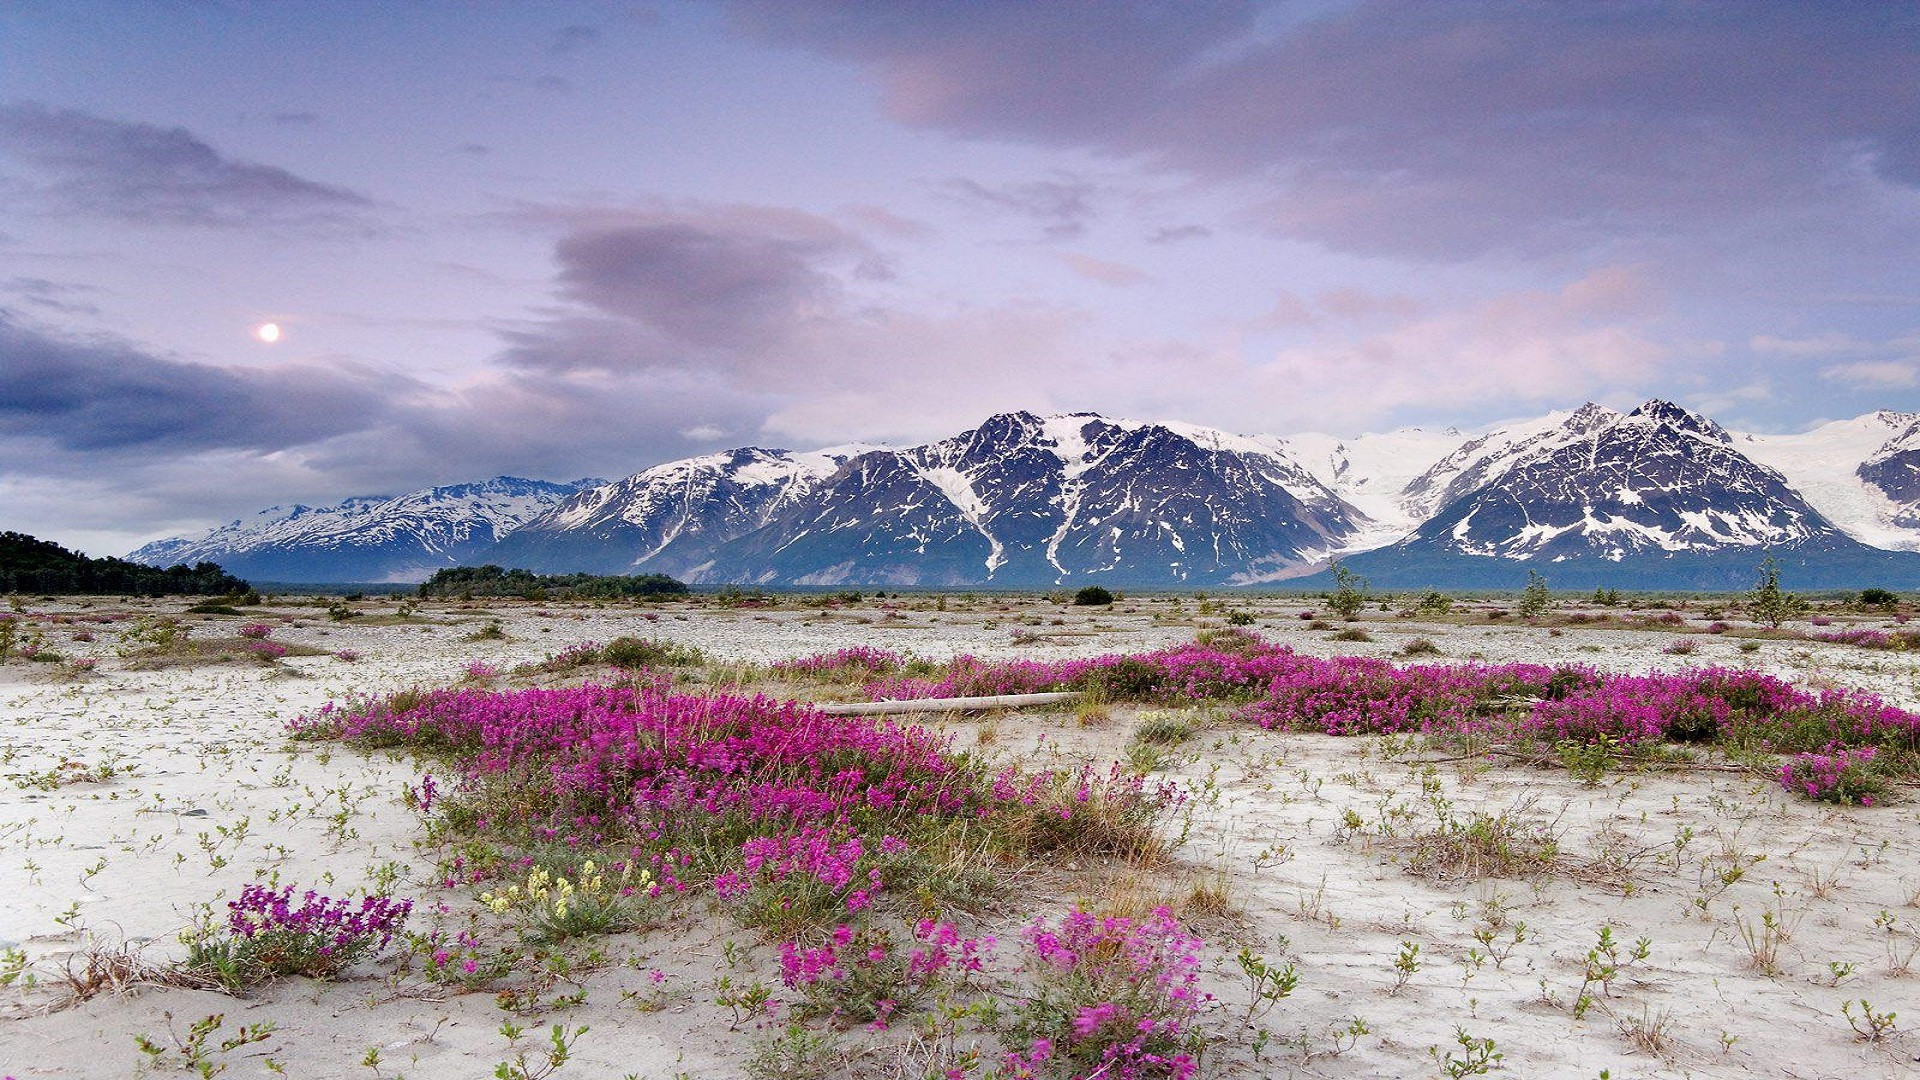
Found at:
[949, 704]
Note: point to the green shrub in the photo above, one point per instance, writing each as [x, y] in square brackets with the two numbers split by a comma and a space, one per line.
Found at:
[1768, 603]
[1535, 599]
[633, 652]
[1349, 594]
[1092, 596]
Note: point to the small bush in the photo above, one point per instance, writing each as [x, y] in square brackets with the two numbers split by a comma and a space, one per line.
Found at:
[633, 652]
[554, 906]
[1164, 730]
[1847, 777]
[1419, 647]
[1349, 594]
[1352, 634]
[1092, 596]
[1878, 598]
[267, 934]
[1116, 997]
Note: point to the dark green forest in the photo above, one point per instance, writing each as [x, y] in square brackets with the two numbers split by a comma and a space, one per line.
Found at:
[490, 580]
[30, 565]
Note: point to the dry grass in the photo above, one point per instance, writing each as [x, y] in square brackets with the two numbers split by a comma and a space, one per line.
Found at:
[118, 969]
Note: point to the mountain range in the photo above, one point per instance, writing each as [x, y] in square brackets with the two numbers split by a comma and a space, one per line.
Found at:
[1658, 497]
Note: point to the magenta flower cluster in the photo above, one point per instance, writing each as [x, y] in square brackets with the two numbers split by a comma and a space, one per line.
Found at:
[795, 812]
[852, 661]
[1894, 640]
[316, 936]
[266, 651]
[255, 631]
[859, 974]
[1117, 997]
[1362, 695]
[1841, 776]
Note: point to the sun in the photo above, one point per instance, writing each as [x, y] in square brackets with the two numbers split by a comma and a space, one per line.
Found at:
[267, 332]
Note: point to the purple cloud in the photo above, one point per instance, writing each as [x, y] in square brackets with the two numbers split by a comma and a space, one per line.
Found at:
[97, 394]
[1062, 208]
[1437, 130]
[139, 172]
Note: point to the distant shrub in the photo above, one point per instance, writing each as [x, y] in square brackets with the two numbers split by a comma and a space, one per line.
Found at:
[1535, 599]
[1878, 598]
[633, 652]
[1434, 603]
[1419, 647]
[1240, 618]
[1092, 596]
[1349, 594]
[1768, 603]
[266, 651]
[1352, 634]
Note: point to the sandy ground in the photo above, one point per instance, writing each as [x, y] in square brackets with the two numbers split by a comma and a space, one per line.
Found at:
[1762, 914]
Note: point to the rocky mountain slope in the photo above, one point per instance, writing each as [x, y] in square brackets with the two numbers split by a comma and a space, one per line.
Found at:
[369, 538]
[1658, 497]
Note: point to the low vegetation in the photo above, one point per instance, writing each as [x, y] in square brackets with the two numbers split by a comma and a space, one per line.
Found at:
[37, 566]
[470, 582]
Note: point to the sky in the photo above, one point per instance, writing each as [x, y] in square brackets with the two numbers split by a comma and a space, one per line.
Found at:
[568, 239]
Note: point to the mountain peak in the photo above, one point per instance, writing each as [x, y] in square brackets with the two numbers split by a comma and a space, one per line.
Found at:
[1660, 411]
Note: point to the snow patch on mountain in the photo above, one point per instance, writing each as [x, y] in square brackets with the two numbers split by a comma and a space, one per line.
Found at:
[1825, 463]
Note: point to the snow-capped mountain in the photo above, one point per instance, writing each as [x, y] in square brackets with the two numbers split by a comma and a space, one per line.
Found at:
[1894, 472]
[1373, 472]
[1029, 500]
[669, 518]
[1658, 497]
[1661, 493]
[369, 538]
[1858, 472]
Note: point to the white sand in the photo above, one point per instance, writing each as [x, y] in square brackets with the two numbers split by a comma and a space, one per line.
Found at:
[220, 799]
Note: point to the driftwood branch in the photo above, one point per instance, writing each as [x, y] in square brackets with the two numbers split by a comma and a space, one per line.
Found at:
[950, 704]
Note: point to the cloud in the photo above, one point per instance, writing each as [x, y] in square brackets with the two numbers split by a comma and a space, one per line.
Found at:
[570, 39]
[138, 172]
[1876, 374]
[1062, 208]
[1590, 338]
[711, 279]
[1107, 273]
[763, 319]
[106, 395]
[1173, 234]
[1829, 344]
[1009, 66]
[1429, 130]
[60, 296]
